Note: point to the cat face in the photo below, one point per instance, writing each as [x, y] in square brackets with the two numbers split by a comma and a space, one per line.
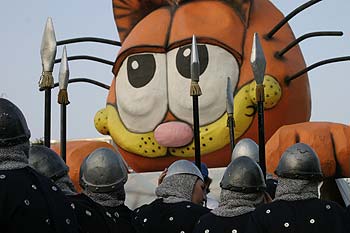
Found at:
[149, 107]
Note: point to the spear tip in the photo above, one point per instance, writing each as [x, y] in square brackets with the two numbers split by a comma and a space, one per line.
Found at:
[194, 51]
[64, 70]
[48, 46]
[257, 60]
[194, 60]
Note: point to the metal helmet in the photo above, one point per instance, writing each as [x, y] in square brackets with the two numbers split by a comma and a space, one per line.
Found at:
[47, 162]
[103, 171]
[299, 161]
[246, 147]
[13, 126]
[184, 167]
[243, 175]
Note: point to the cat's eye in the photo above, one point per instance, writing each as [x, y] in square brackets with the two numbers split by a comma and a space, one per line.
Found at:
[183, 60]
[141, 69]
[141, 91]
[216, 64]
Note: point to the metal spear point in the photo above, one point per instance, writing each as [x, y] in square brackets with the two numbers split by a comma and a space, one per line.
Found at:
[258, 64]
[257, 60]
[48, 53]
[46, 82]
[64, 73]
[195, 91]
[194, 61]
[229, 109]
[63, 100]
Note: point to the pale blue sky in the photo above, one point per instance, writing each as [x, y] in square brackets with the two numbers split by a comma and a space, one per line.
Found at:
[22, 24]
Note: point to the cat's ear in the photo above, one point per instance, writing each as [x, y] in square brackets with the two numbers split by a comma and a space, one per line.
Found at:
[127, 13]
[242, 7]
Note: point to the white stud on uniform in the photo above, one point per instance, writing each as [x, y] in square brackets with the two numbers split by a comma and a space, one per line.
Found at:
[26, 202]
[2, 176]
[206, 231]
[54, 188]
[72, 205]
[47, 221]
[68, 221]
[108, 214]
[34, 187]
[286, 224]
[171, 218]
[182, 232]
[234, 231]
[312, 221]
[145, 220]
[116, 214]
[188, 206]
[268, 211]
[88, 213]
[328, 207]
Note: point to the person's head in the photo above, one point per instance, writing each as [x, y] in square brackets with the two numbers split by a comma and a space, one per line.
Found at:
[184, 181]
[242, 188]
[47, 162]
[205, 174]
[13, 126]
[103, 171]
[246, 147]
[299, 162]
[299, 174]
[243, 175]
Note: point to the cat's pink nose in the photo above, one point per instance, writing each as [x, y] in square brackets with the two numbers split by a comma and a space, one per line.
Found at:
[173, 134]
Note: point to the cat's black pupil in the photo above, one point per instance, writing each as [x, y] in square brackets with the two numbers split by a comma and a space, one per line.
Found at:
[141, 69]
[183, 60]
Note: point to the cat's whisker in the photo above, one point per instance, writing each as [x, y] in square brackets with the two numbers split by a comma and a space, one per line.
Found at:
[288, 79]
[280, 53]
[269, 35]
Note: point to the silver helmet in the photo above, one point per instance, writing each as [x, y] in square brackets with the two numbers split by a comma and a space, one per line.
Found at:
[47, 162]
[246, 147]
[184, 167]
[103, 171]
[243, 175]
[299, 161]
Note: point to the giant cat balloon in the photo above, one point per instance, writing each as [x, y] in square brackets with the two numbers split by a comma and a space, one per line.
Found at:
[149, 107]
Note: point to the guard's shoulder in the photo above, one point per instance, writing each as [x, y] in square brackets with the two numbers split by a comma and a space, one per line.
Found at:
[331, 206]
[268, 206]
[124, 209]
[147, 209]
[204, 222]
[194, 207]
[207, 219]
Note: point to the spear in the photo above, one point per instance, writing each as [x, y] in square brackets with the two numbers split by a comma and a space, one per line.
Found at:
[63, 100]
[229, 110]
[46, 82]
[258, 63]
[195, 91]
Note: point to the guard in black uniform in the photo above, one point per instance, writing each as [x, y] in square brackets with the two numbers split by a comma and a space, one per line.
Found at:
[29, 202]
[102, 176]
[178, 206]
[247, 147]
[91, 216]
[242, 190]
[296, 207]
